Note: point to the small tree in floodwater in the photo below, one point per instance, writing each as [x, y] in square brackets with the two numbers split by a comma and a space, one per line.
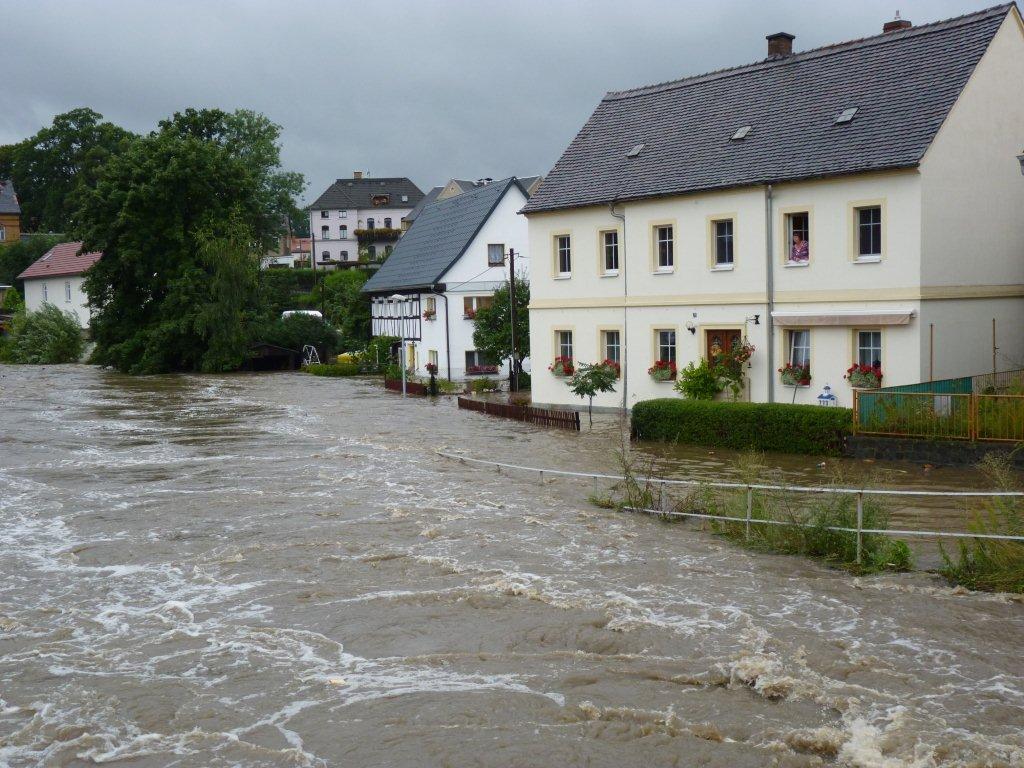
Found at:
[589, 380]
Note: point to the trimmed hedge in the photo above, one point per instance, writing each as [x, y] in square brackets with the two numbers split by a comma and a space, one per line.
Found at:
[782, 427]
[332, 369]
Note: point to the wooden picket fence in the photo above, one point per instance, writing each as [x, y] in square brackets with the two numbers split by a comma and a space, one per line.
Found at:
[545, 416]
[411, 387]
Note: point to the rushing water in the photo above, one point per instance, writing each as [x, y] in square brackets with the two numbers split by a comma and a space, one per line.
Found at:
[278, 570]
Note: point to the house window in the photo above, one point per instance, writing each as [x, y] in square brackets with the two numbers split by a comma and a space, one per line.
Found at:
[325, 214]
[372, 251]
[496, 255]
[610, 246]
[666, 345]
[344, 214]
[869, 348]
[3, 233]
[477, 360]
[369, 223]
[46, 293]
[387, 223]
[325, 232]
[723, 243]
[432, 357]
[343, 231]
[67, 291]
[472, 304]
[799, 348]
[869, 232]
[344, 256]
[563, 246]
[612, 346]
[563, 340]
[431, 305]
[664, 247]
[387, 250]
[798, 233]
[325, 256]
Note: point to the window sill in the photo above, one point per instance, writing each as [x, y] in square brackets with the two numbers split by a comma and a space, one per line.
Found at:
[665, 271]
[561, 276]
[610, 273]
[798, 264]
[723, 268]
[867, 260]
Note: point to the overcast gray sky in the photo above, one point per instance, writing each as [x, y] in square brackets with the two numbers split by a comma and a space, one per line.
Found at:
[429, 89]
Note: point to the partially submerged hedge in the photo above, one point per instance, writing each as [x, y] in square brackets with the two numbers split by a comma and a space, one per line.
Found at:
[779, 427]
[332, 369]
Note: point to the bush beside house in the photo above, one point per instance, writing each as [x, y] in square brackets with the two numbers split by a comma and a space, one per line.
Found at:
[779, 427]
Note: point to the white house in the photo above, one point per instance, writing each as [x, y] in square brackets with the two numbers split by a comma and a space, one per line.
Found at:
[359, 214]
[448, 265]
[862, 202]
[57, 278]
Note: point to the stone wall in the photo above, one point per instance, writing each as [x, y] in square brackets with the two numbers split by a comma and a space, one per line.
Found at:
[949, 452]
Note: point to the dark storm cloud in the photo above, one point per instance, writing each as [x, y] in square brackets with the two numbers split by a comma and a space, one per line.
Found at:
[428, 90]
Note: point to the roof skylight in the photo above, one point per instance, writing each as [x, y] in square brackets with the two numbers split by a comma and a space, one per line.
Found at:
[846, 115]
[741, 132]
[635, 151]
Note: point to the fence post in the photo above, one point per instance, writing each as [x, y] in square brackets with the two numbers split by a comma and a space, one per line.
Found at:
[972, 419]
[663, 501]
[750, 507]
[856, 410]
[542, 477]
[860, 524]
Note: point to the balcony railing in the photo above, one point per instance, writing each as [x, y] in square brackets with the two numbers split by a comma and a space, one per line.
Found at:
[377, 233]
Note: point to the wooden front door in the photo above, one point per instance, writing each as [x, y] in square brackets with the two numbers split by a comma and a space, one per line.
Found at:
[720, 340]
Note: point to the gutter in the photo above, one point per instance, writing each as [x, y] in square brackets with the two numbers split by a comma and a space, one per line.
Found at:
[770, 288]
[624, 344]
[439, 290]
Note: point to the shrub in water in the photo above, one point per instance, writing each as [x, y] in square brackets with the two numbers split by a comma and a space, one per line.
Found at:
[48, 336]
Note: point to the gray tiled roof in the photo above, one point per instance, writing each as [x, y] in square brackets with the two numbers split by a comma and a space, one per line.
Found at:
[8, 200]
[426, 200]
[359, 193]
[443, 231]
[903, 85]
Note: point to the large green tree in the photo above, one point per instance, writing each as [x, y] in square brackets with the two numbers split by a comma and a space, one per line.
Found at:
[182, 217]
[492, 332]
[347, 309]
[51, 169]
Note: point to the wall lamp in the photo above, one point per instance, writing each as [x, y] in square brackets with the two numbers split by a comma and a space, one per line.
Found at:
[691, 328]
[756, 319]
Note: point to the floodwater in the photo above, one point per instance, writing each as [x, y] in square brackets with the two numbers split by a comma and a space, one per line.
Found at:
[278, 570]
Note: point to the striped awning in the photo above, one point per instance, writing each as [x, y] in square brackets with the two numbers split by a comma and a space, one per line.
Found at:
[843, 317]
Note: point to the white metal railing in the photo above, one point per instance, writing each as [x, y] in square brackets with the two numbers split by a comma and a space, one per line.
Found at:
[749, 520]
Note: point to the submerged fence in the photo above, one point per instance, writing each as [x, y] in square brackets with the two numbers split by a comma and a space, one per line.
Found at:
[548, 417]
[750, 488]
[985, 407]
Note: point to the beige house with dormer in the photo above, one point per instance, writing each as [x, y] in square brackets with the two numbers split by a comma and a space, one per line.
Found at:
[859, 203]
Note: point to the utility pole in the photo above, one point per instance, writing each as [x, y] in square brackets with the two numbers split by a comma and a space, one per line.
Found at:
[513, 382]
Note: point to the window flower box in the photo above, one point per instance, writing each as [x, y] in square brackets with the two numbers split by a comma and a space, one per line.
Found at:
[614, 366]
[470, 314]
[662, 370]
[477, 370]
[429, 314]
[864, 376]
[796, 375]
[431, 368]
[562, 366]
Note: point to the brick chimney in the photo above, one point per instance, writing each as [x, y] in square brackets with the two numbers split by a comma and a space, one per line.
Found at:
[896, 24]
[357, 174]
[780, 45]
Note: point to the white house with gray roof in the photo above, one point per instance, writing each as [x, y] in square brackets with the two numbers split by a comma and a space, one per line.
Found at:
[448, 265]
[857, 203]
[360, 215]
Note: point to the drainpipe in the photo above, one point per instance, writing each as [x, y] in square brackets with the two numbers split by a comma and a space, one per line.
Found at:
[439, 290]
[770, 287]
[624, 271]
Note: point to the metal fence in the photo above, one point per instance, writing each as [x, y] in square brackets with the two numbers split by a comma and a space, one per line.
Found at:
[751, 488]
[984, 407]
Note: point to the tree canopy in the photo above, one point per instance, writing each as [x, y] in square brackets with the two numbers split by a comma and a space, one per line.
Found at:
[182, 217]
[16, 257]
[348, 310]
[52, 168]
[492, 333]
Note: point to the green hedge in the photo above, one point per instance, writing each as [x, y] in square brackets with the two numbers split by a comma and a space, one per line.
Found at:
[332, 369]
[780, 427]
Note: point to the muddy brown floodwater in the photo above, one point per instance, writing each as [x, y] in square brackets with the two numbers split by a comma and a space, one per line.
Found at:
[278, 570]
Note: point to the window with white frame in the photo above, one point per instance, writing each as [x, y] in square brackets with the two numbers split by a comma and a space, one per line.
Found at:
[495, 254]
[563, 255]
[67, 291]
[610, 248]
[370, 223]
[798, 233]
[869, 348]
[666, 339]
[564, 339]
[387, 222]
[869, 232]
[432, 357]
[325, 232]
[46, 292]
[664, 247]
[799, 348]
[475, 360]
[344, 256]
[325, 255]
[343, 214]
[723, 231]
[612, 346]
[431, 305]
[343, 231]
[325, 214]
[473, 304]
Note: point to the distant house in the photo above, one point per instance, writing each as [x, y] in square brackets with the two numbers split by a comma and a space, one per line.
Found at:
[57, 278]
[291, 252]
[860, 203]
[10, 213]
[447, 266]
[360, 215]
